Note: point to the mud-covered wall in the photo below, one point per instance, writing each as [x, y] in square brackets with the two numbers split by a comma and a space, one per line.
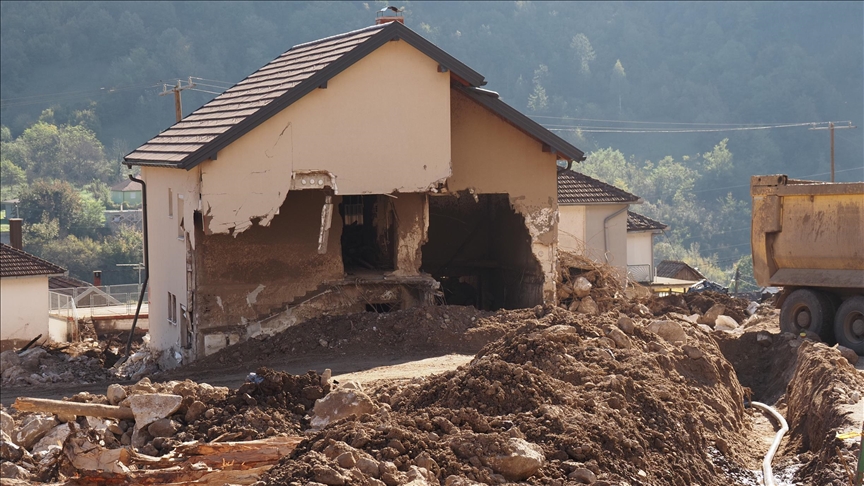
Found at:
[614, 236]
[381, 126]
[491, 156]
[412, 224]
[246, 277]
[172, 198]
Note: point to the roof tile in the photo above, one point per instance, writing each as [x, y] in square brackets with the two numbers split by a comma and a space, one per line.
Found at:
[19, 263]
[637, 222]
[576, 188]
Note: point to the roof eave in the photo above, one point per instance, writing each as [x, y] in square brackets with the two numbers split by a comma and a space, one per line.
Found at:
[596, 203]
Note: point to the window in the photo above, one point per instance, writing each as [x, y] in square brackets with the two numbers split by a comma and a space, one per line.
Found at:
[170, 203]
[180, 216]
[172, 308]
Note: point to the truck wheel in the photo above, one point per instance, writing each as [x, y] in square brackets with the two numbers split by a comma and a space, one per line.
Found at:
[849, 324]
[806, 310]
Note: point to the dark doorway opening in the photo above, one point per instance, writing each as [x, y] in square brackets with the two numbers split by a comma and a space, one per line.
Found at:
[480, 250]
[368, 233]
[381, 308]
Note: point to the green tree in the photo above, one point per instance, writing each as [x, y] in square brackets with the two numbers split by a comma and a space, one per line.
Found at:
[10, 174]
[584, 52]
[53, 199]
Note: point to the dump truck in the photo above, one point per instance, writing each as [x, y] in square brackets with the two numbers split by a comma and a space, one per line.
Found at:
[808, 238]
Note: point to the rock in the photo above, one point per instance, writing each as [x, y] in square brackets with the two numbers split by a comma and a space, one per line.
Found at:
[692, 352]
[574, 306]
[152, 407]
[850, 355]
[588, 306]
[346, 460]
[670, 331]
[31, 359]
[13, 471]
[368, 467]
[327, 475]
[725, 323]
[705, 327]
[764, 339]
[351, 385]
[621, 339]
[752, 307]
[33, 429]
[626, 325]
[7, 423]
[115, 394]
[338, 404]
[195, 410]
[581, 287]
[325, 377]
[163, 427]
[460, 481]
[9, 451]
[521, 460]
[55, 438]
[9, 359]
[711, 314]
[583, 475]
[418, 476]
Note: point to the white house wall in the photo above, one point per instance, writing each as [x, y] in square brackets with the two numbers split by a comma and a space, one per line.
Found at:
[381, 126]
[640, 248]
[23, 307]
[571, 229]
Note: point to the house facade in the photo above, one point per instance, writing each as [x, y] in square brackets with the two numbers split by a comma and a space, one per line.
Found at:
[127, 193]
[364, 171]
[593, 220]
[24, 296]
[640, 246]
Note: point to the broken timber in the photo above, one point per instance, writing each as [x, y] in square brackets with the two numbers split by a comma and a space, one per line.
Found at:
[58, 407]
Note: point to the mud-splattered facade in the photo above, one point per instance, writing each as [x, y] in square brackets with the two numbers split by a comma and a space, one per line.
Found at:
[375, 176]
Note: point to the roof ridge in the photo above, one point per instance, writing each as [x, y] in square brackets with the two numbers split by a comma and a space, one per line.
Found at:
[333, 37]
[33, 258]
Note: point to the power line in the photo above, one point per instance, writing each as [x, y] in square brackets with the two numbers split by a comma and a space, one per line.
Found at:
[641, 122]
[574, 128]
[205, 91]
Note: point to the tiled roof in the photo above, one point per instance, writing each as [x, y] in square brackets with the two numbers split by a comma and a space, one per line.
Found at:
[672, 268]
[66, 282]
[277, 85]
[576, 188]
[127, 185]
[19, 263]
[637, 222]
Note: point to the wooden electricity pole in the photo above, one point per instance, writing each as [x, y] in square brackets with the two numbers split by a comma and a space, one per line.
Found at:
[831, 128]
[176, 89]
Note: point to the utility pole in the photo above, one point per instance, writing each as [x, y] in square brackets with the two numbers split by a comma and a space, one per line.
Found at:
[831, 128]
[176, 89]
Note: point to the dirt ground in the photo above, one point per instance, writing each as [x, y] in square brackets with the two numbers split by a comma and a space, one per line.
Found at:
[632, 392]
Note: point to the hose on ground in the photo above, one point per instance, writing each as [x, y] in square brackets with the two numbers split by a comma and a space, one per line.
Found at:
[767, 473]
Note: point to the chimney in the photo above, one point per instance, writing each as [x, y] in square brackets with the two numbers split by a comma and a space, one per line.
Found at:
[382, 17]
[15, 239]
[97, 278]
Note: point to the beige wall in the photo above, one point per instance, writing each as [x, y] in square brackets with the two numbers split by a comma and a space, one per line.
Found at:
[167, 249]
[491, 156]
[571, 229]
[616, 244]
[23, 307]
[640, 248]
[380, 126]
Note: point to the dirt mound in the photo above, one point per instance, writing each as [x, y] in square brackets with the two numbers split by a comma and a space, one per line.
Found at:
[573, 393]
[699, 303]
[823, 391]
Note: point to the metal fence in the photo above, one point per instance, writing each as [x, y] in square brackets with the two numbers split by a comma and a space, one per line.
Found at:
[105, 300]
[640, 273]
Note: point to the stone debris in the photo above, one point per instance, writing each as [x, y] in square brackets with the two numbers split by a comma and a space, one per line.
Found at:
[725, 323]
[670, 331]
[340, 403]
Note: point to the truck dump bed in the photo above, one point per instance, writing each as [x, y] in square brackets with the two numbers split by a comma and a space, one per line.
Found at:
[807, 233]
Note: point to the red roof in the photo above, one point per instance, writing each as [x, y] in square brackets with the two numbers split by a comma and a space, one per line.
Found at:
[19, 263]
[637, 222]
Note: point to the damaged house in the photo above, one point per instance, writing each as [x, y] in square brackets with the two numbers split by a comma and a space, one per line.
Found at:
[363, 171]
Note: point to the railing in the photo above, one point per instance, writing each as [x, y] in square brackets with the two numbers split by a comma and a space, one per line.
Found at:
[105, 300]
[640, 273]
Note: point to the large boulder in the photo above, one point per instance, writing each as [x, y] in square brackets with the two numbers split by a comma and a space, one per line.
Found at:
[55, 438]
[725, 323]
[338, 404]
[33, 429]
[519, 461]
[581, 287]
[588, 306]
[9, 451]
[7, 423]
[670, 331]
[711, 314]
[151, 407]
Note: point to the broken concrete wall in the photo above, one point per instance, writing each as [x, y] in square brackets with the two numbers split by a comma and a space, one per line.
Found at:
[491, 156]
[412, 225]
[172, 199]
[381, 126]
[255, 274]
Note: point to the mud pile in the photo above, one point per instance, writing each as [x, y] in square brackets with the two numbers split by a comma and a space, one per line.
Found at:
[562, 398]
[700, 303]
[824, 391]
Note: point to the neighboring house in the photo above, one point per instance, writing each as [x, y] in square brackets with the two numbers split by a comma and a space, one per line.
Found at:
[85, 294]
[640, 246]
[357, 172]
[117, 218]
[678, 271]
[127, 193]
[24, 295]
[593, 219]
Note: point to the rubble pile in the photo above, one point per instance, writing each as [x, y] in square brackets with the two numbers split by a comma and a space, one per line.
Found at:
[563, 398]
[587, 287]
[84, 362]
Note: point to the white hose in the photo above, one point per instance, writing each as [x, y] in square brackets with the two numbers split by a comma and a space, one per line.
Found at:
[768, 475]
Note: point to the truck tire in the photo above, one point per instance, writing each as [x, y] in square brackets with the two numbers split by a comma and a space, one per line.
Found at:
[849, 324]
[807, 310]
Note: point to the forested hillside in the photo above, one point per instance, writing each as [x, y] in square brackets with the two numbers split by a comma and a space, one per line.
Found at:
[677, 102]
